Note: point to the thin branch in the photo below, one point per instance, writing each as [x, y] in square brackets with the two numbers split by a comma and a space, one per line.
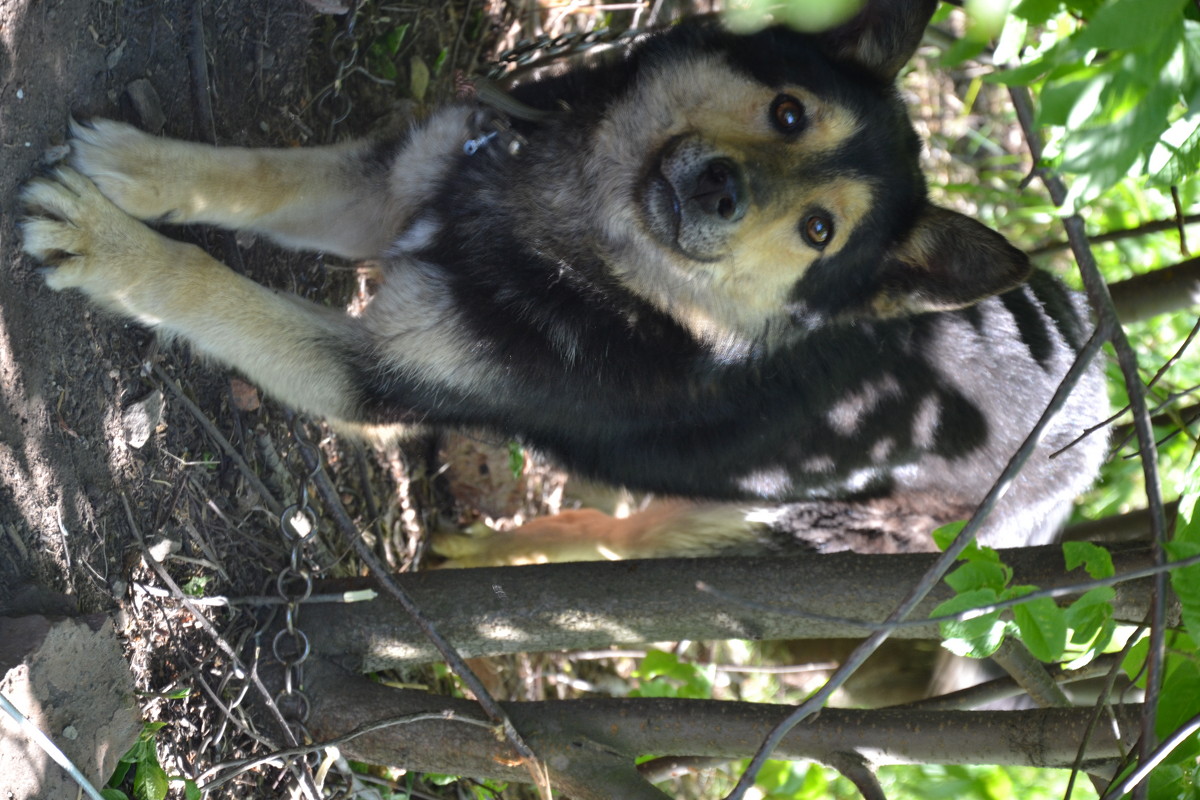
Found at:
[1103, 306]
[1032, 675]
[1003, 688]
[1146, 228]
[268, 499]
[855, 769]
[583, 738]
[236, 768]
[1137, 778]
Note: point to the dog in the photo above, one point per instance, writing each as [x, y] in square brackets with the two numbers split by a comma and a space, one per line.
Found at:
[701, 264]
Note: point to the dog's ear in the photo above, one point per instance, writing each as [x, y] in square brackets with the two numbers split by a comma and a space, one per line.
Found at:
[947, 261]
[882, 36]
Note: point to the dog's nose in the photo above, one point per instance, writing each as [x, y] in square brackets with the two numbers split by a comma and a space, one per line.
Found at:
[718, 190]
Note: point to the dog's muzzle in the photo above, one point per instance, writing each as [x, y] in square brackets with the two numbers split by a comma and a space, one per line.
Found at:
[694, 198]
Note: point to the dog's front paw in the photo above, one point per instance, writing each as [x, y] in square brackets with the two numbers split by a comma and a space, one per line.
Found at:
[131, 168]
[87, 243]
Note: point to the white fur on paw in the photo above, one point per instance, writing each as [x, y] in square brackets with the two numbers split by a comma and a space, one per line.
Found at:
[117, 158]
[87, 242]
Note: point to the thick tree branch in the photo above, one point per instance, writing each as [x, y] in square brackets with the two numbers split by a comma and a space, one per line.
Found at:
[589, 745]
[489, 611]
[1161, 291]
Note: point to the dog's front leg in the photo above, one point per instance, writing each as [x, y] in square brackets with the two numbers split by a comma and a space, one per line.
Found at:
[294, 350]
[336, 198]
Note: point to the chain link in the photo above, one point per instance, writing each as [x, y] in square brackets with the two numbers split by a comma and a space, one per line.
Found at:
[294, 584]
[343, 52]
[529, 53]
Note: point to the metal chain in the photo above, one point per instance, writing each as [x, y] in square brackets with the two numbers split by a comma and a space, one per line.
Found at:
[294, 583]
[532, 52]
[343, 52]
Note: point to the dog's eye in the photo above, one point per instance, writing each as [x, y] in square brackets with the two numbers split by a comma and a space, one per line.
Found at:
[787, 114]
[818, 230]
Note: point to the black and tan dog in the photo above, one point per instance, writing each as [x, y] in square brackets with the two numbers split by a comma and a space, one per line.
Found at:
[703, 264]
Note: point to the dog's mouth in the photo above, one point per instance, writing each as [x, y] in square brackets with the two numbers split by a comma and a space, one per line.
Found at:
[693, 199]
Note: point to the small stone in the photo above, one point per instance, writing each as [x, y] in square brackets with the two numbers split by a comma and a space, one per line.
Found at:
[140, 419]
[143, 101]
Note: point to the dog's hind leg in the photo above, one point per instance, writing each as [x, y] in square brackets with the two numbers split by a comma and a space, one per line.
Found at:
[296, 350]
[340, 199]
[665, 529]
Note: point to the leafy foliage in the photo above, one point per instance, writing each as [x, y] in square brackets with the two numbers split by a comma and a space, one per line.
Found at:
[662, 674]
[138, 771]
[1119, 90]
[1045, 628]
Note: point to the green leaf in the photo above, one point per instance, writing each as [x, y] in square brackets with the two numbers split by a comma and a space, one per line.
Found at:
[1186, 582]
[944, 536]
[142, 749]
[1042, 625]
[1134, 661]
[190, 790]
[1130, 24]
[1089, 614]
[979, 574]
[1170, 781]
[150, 781]
[119, 773]
[1180, 698]
[196, 585]
[963, 49]
[1036, 12]
[662, 674]
[1096, 560]
[976, 635]
[394, 38]
[109, 793]
[418, 78]
[1184, 159]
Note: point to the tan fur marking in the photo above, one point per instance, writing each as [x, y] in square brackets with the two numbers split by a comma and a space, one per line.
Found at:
[768, 256]
[667, 528]
[128, 268]
[734, 298]
[315, 198]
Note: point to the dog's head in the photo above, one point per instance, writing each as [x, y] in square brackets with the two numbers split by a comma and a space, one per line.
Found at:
[756, 183]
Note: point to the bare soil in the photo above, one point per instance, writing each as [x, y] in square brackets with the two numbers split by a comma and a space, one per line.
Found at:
[92, 474]
[84, 497]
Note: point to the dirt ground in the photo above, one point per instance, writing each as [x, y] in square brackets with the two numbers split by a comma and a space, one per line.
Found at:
[67, 371]
[109, 445]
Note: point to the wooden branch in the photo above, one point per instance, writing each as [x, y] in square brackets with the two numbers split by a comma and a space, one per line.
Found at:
[490, 611]
[1129, 527]
[1145, 229]
[589, 745]
[1161, 291]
